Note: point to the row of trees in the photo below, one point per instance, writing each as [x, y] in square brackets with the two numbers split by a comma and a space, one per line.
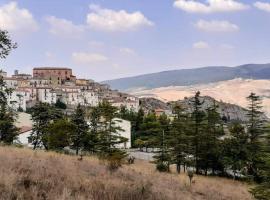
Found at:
[53, 130]
[202, 140]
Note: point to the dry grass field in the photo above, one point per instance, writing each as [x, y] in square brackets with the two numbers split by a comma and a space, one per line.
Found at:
[25, 174]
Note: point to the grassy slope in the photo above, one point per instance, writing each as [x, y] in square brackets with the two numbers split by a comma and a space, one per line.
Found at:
[25, 174]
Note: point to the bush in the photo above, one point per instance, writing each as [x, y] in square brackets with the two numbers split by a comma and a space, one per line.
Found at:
[162, 167]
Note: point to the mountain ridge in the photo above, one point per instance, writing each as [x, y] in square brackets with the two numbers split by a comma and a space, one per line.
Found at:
[185, 77]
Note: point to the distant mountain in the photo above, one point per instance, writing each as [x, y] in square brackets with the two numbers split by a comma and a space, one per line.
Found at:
[186, 77]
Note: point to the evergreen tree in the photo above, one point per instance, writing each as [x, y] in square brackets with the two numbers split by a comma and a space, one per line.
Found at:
[210, 151]
[162, 157]
[262, 190]
[178, 138]
[92, 138]
[235, 148]
[109, 136]
[256, 131]
[60, 134]
[8, 131]
[43, 114]
[150, 129]
[197, 117]
[81, 129]
[61, 105]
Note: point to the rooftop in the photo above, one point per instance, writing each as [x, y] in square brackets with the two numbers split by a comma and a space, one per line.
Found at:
[52, 68]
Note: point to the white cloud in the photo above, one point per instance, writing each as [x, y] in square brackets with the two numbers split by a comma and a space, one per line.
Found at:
[127, 51]
[216, 26]
[64, 28]
[201, 45]
[110, 20]
[262, 6]
[15, 19]
[88, 58]
[210, 6]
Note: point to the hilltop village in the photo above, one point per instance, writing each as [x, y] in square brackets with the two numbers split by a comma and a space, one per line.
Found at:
[52, 84]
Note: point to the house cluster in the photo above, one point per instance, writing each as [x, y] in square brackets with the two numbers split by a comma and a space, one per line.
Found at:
[50, 84]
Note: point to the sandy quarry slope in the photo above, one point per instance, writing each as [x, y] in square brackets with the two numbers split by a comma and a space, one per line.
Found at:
[233, 91]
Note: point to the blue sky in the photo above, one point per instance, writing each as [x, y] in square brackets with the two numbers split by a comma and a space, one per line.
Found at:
[106, 39]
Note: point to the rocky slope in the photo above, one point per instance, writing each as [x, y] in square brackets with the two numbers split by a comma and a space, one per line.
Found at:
[227, 111]
[233, 91]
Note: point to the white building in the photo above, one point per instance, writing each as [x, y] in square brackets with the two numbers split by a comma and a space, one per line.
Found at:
[126, 132]
[46, 95]
[11, 82]
[18, 99]
[23, 137]
[24, 123]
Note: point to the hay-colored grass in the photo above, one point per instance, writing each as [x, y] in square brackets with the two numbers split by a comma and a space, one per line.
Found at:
[25, 174]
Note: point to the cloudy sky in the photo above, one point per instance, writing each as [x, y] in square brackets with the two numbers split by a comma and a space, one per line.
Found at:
[106, 39]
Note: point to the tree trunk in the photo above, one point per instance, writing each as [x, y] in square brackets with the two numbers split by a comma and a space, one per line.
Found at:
[178, 168]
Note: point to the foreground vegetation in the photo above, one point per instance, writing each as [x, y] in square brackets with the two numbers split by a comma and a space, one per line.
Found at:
[27, 174]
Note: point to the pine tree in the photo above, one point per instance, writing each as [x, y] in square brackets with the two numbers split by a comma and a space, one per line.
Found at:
[210, 151]
[162, 157]
[81, 129]
[197, 117]
[109, 136]
[150, 129]
[235, 154]
[60, 134]
[178, 138]
[8, 131]
[43, 114]
[92, 138]
[108, 133]
[256, 130]
[262, 190]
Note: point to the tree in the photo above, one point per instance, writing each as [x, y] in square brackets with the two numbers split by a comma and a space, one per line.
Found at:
[162, 157]
[138, 120]
[81, 129]
[179, 142]
[235, 148]
[60, 132]
[91, 141]
[43, 114]
[149, 131]
[256, 131]
[197, 117]
[109, 136]
[8, 131]
[262, 190]
[61, 105]
[6, 45]
[210, 145]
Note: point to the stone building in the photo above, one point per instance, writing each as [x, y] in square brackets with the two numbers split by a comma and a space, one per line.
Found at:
[55, 74]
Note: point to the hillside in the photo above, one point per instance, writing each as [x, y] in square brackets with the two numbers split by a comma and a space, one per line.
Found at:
[232, 91]
[186, 77]
[230, 111]
[25, 174]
